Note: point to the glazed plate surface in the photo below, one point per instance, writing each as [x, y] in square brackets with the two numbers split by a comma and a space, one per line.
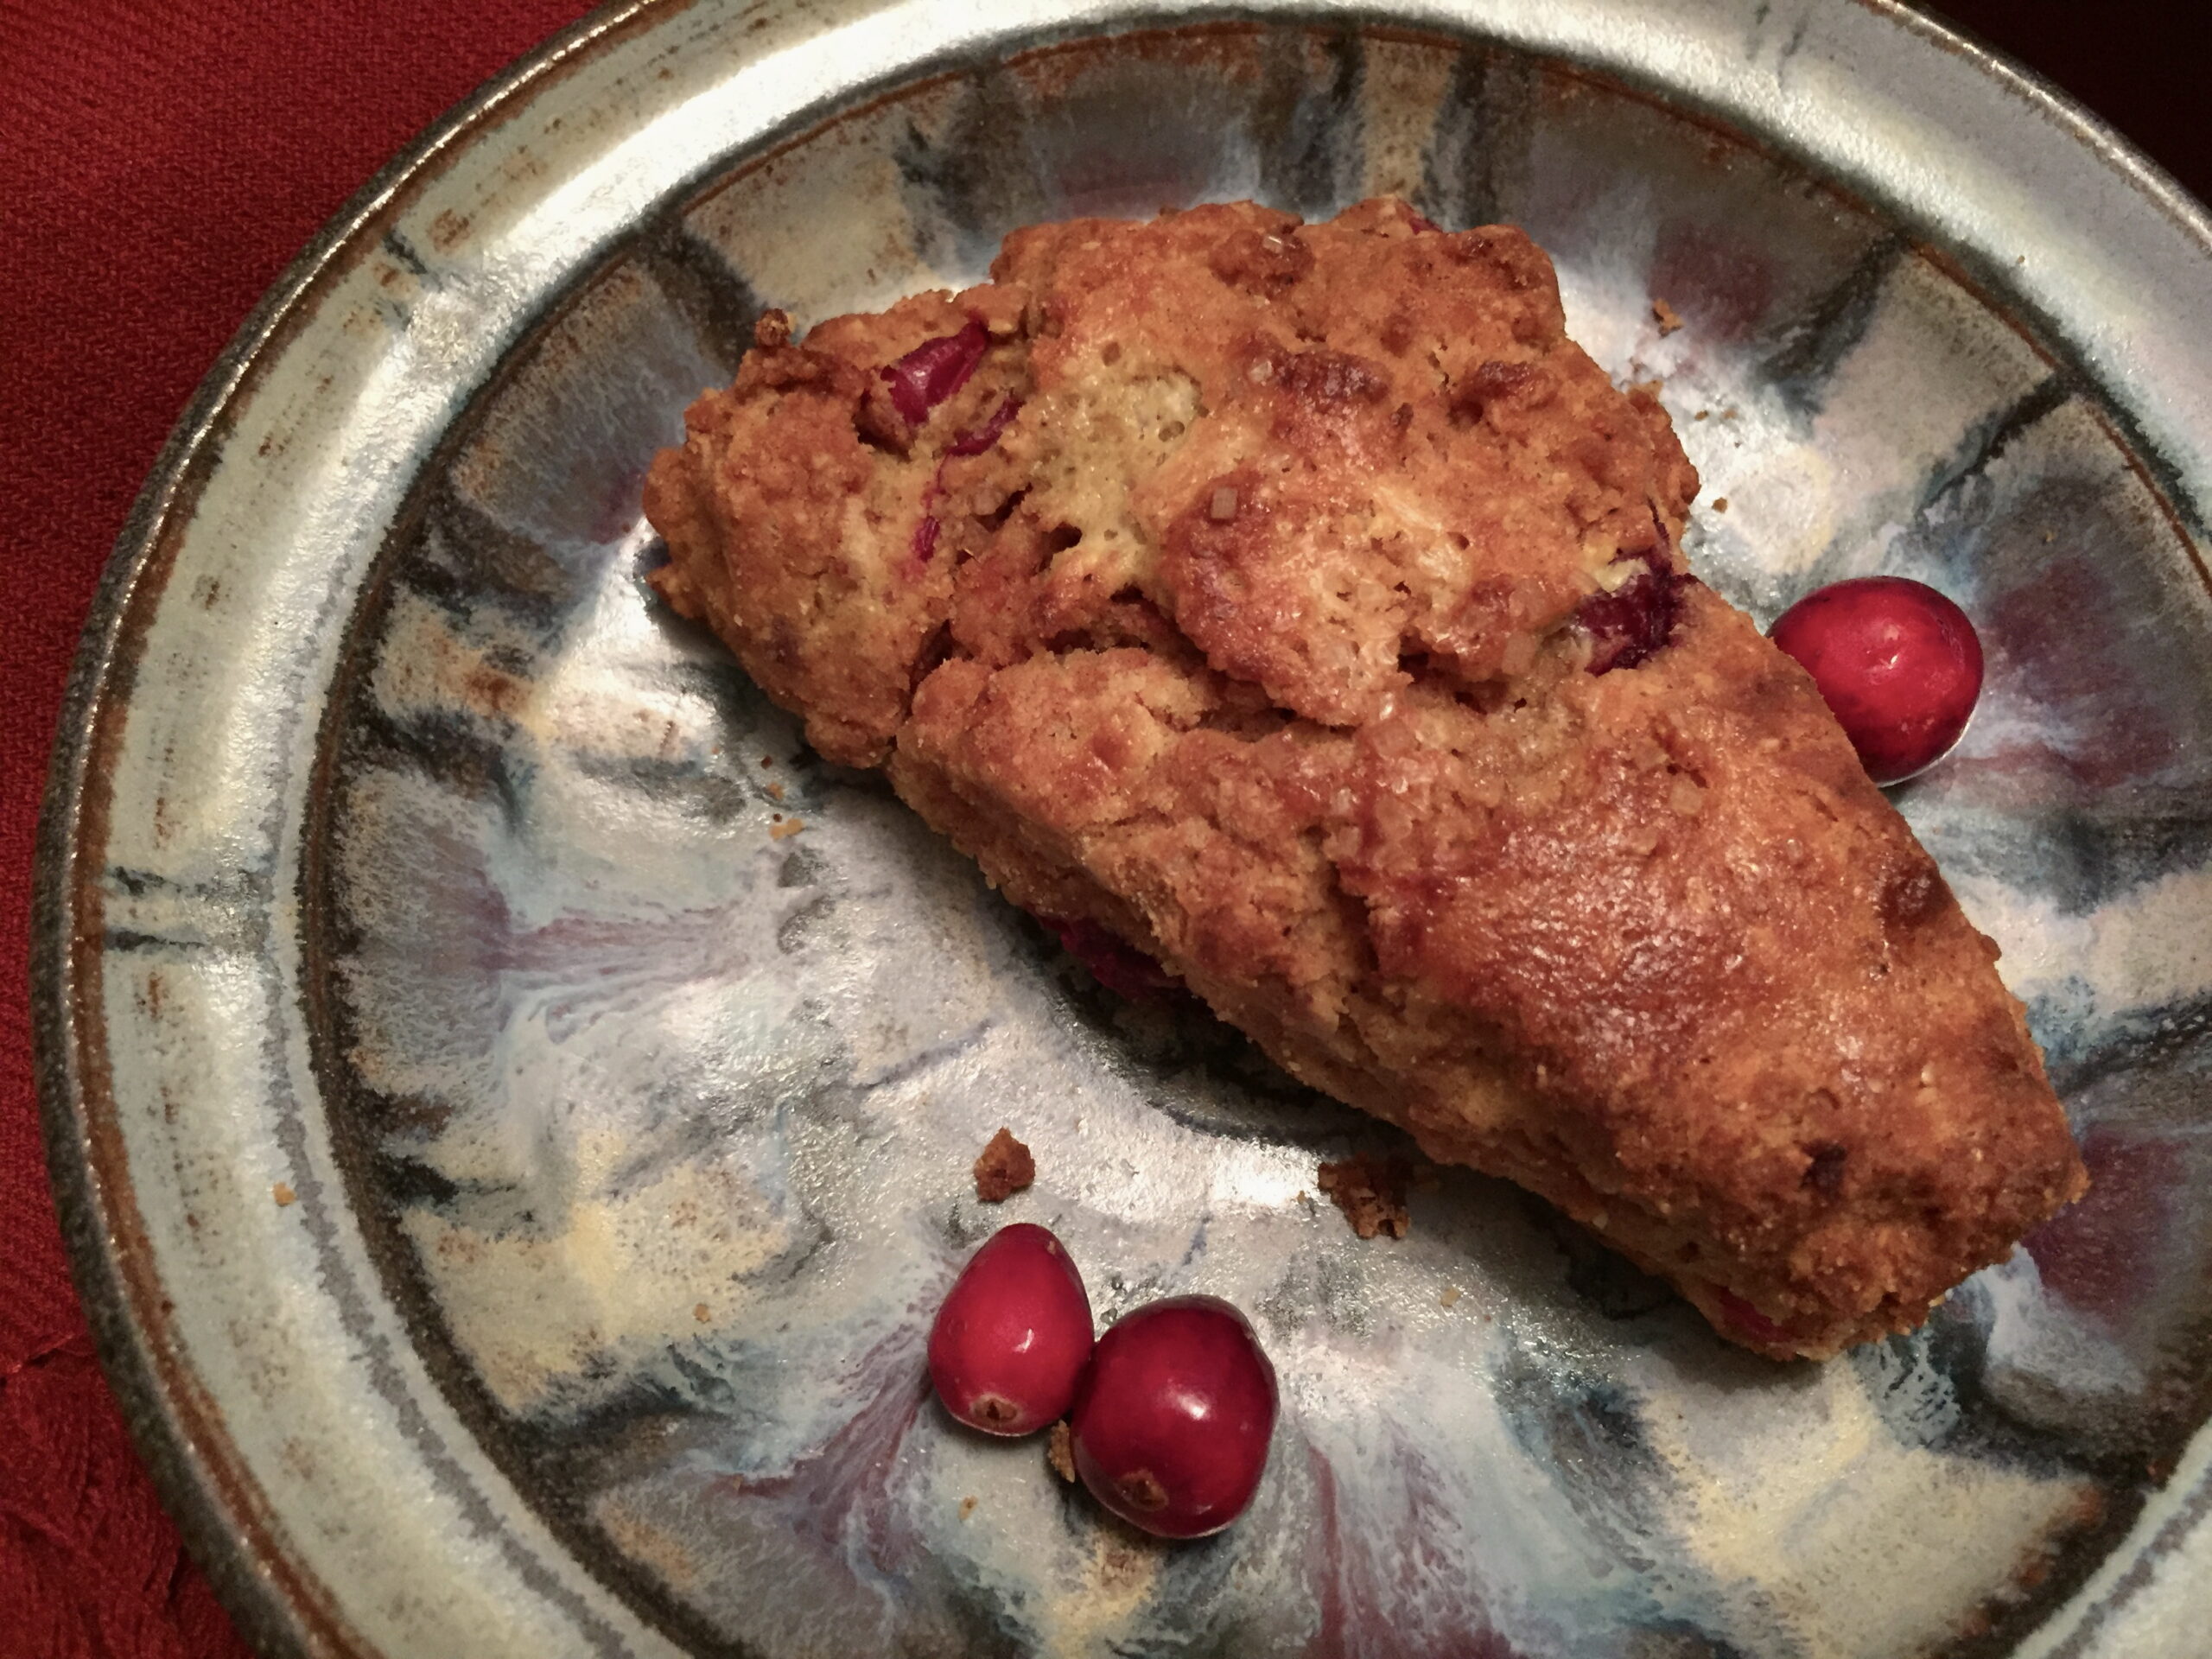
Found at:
[514, 1106]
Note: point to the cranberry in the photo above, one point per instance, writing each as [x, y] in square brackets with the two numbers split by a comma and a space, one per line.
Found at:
[1013, 1335]
[1628, 626]
[923, 543]
[1747, 1318]
[1171, 1428]
[934, 370]
[1122, 969]
[975, 443]
[1898, 664]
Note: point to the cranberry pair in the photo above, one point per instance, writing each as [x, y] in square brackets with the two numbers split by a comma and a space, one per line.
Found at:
[1169, 1413]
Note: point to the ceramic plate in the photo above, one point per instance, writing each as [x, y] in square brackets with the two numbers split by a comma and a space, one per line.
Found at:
[514, 1105]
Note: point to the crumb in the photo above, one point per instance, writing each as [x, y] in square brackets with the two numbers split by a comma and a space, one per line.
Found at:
[699, 1312]
[767, 760]
[1452, 1295]
[967, 1507]
[784, 828]
[1004, 1168]
[1729, 414]
[1304, 1197]
[775, 792]
[1702, 415]
[1720, 504]
[1123, 1561]
[1371, 1191]
[1667, 317]
[283, 1194]
[1060, 1452]
[2048, 535]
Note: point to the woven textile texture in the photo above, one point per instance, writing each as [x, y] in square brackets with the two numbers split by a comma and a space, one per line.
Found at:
[159, 167]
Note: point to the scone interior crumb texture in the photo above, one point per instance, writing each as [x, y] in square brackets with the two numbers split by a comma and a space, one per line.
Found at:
[1299, 604]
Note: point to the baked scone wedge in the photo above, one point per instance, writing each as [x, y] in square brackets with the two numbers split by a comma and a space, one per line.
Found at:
[1298, 604]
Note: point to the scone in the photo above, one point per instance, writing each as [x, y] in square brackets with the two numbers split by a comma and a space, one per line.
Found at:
[1298, 604]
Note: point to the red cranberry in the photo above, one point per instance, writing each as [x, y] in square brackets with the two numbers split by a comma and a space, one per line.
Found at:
[1898, 664]
[1012, 1340]
[1122, 969]
[1171, 1428]
[1747, 1318]
[923, 543]
[934, 370]
[975, 443]
[1628, 626]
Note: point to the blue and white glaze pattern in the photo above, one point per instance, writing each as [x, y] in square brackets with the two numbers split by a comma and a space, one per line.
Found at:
[436, 879]
[674, 1114]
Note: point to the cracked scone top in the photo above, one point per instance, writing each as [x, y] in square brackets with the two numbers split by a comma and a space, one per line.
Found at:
[1298, 604]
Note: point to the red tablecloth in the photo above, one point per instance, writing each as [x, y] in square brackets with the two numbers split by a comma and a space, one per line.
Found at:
[159, 166]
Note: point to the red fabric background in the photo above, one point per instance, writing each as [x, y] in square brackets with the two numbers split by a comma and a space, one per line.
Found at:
[159, 166]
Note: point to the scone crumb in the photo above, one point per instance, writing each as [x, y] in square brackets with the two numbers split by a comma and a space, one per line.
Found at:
[1060, 1452]
[775, 792]
[700, 1312]
[1371, 1191]
[1720, 504]
[283, 1194]
[785, 829]
[1004, 1169]
[1666, 317]
[968, 1506]
[1450, 1296]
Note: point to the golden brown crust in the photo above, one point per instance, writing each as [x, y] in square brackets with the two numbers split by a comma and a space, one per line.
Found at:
[1260, 631]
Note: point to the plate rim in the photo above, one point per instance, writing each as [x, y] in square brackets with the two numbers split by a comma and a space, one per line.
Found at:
[276, 1600]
